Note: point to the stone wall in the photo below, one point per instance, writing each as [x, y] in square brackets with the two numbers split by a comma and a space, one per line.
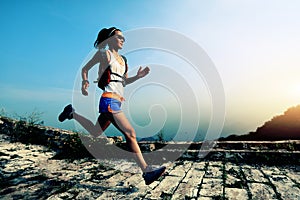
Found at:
[231, 170]
[68, 144]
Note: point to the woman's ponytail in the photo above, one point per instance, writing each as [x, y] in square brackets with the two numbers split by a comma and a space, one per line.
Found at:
[103, 35]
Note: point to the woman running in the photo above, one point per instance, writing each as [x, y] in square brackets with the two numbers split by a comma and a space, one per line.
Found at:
[112, 79]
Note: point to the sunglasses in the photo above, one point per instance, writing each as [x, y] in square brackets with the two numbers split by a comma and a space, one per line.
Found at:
[120, 37]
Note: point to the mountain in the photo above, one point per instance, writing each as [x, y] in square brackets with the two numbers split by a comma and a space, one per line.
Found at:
[282, 127]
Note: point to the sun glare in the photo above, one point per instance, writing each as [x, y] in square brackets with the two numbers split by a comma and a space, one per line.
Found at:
[294, 91]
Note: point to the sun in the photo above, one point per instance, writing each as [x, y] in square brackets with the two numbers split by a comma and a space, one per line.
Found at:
[294, 91]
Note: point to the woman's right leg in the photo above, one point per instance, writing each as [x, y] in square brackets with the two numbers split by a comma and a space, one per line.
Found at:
[122, 124]
[149, 174]
[94, 129]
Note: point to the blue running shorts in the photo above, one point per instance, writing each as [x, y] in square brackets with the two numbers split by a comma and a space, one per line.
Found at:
[110, 105]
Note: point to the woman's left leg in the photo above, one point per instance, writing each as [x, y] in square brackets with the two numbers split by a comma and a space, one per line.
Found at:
[94, 129]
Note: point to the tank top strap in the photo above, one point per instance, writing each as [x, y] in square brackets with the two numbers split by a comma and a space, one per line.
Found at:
[112, 57]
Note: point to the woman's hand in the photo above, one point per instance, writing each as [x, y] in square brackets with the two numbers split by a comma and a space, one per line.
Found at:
[84, 87]
[143, 72]
[140, 74]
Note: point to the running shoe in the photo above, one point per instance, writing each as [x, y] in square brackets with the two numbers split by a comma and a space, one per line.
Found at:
[150, 175]
[67, 113]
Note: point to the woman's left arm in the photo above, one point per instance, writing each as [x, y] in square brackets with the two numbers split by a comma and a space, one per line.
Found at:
[140, 74]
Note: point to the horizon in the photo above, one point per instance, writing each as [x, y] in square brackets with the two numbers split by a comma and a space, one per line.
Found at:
[35, 118]
[253, 45]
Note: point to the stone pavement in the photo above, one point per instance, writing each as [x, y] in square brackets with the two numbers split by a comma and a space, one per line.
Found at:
[30, 172]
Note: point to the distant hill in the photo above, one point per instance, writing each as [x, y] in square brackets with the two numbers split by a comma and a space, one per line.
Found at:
[282, 127]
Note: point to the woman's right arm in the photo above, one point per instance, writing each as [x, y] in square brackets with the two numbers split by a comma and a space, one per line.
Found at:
[84, 72]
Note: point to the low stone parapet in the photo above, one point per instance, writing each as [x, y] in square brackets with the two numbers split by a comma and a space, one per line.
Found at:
[68, 144]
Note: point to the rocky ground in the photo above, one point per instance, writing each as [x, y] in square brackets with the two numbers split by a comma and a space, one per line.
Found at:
[38, 162]
[30, 172]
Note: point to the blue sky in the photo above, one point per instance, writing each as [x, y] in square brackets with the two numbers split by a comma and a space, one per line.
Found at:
[253, 44]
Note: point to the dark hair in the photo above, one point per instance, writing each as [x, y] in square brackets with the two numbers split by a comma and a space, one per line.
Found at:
[103, 35]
